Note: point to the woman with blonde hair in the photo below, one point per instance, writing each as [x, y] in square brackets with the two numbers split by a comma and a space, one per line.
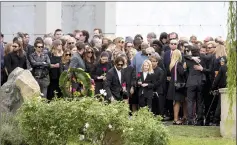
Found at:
[145, 84]
[8, 49]
[220, 52]
[176, 90]
[54, 72]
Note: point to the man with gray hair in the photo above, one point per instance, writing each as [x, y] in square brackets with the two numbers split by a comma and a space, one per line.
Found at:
[150, 37]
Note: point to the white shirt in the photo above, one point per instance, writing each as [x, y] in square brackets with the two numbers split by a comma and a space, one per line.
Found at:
[119, 74]
[145, 75]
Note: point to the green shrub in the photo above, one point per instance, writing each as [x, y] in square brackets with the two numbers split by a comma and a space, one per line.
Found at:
[88, 121]
[10, 133]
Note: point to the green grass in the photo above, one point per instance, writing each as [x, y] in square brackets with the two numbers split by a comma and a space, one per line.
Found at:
[195, 135]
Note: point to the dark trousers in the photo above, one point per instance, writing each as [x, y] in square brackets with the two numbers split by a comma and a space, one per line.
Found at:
[194, 94]
[217, 116]
[43, 84]
[54, 88]
[207, 101]
[145, 101]
[158, 103]
[168, 110]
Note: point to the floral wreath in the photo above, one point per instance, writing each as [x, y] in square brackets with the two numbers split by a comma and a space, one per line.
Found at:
[76, 83]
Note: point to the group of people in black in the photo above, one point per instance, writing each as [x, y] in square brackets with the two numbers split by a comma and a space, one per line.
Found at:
[174, 77]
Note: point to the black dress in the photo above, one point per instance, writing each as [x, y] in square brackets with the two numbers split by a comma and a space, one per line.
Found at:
[89, 66]
[64, 66]
[54, 74]
[172, 94]
[97, 71]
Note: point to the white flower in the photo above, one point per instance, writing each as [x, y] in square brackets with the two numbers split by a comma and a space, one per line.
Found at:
[82, 137]
[131, 129]
[103, 92]
[87, 125]
[110, 126]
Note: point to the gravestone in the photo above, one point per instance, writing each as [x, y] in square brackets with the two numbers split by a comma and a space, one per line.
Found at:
[19, 87]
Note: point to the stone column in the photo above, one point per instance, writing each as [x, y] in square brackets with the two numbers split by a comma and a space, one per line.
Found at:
[47, 17]
[106, 17]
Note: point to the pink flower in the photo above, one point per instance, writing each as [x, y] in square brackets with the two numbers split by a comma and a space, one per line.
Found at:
[104, 69]
[92, 82]
[124, 85]
[73, 90]
[138, 75]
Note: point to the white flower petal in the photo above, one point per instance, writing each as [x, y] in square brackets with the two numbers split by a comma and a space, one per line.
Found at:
[82, 137]
[110, 126]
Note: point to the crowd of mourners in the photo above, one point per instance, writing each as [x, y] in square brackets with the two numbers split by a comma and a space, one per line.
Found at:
[175, 77]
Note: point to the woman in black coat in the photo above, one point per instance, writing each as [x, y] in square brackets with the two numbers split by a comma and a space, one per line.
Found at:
[145, 83]
[99, 71]
[177, 76]
[130, 79]
[158, 96]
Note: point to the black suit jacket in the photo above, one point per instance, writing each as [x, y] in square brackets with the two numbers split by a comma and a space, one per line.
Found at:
[159, 80]
[195, 77]
[129, 77]
[220, 80]
[148, 90]
[113, 86]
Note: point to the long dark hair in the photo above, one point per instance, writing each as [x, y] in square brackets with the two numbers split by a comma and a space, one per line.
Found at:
[93, 58]
[21, 51]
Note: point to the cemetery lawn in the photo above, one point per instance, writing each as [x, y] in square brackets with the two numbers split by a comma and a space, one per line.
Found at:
[197, 135]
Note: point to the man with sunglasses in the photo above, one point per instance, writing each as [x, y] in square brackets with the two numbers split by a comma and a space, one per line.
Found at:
[115, 84]
[40, 64]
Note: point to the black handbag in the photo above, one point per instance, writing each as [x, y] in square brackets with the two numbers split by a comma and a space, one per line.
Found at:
[178, 85]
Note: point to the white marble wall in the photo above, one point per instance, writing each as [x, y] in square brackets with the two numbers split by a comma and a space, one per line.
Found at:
[120, 18]
[38, 18]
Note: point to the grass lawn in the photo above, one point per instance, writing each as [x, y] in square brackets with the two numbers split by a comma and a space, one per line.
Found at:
[195, 135]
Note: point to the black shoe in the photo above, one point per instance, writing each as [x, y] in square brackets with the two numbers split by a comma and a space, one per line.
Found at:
[188, 123]
[199, 123]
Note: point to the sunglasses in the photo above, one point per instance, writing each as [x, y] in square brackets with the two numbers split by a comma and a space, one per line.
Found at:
[119, 64]
[173, 43]
[68, 54]
[14, 46]
[149, 54]
[210, 47]
[90, 52]
[39, 46]
[121, 42]
[187, 50]
[70, 43]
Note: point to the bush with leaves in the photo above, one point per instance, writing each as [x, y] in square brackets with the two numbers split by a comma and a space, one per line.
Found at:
[10, 133]
[88, 121]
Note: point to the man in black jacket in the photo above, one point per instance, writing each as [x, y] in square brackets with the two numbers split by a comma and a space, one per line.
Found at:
[196, 80]
[115, 83]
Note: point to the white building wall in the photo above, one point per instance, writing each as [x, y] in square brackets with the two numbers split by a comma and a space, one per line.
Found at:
[185, 18]
[120, 18]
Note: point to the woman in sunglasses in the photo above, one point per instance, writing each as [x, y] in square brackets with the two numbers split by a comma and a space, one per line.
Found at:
[89, 59]
[65, 60]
